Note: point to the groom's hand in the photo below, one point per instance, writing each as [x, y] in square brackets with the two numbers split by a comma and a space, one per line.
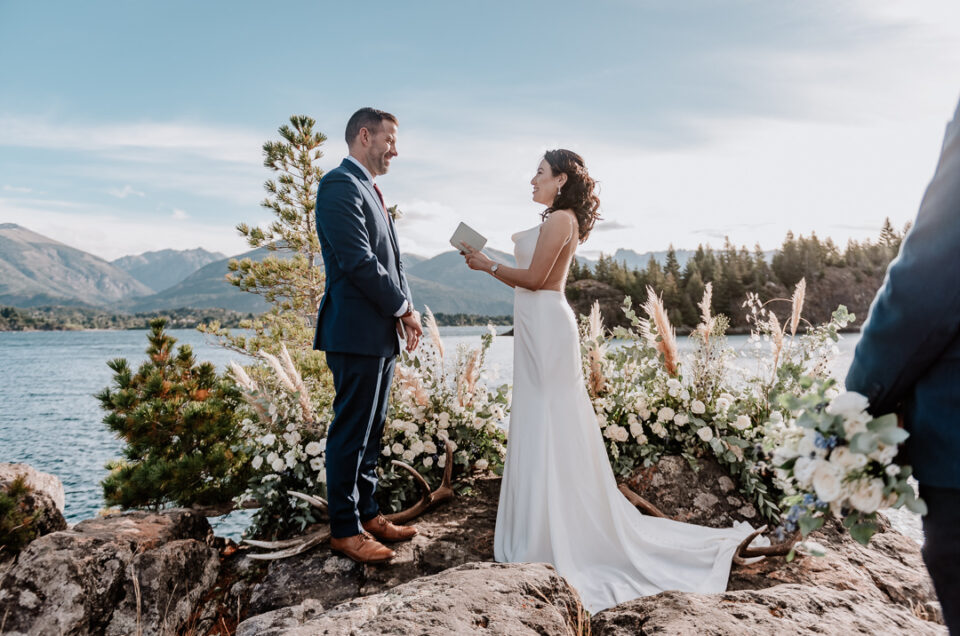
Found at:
[408, 326]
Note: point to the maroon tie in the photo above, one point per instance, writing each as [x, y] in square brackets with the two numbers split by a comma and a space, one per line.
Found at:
[380, 194]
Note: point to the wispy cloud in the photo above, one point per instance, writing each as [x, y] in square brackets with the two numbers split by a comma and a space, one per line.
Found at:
[170, 138]
[17, 189]
[609, 226]
[124, 192]
[180, 215]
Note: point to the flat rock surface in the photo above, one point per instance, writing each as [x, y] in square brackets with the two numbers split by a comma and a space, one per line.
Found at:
[455, 532]
[476, 598]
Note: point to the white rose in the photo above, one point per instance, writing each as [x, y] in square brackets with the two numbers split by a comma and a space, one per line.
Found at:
[428, 461]
[291, 438]
[848, 404]
[481, 464]
[685, 395]
[847, 460]
[673, 383]
[417, 447]
[741, 423]
[893, 470]
[397, 448]
[408, 455]
[827, 481]
[632, 419]
[705, 433]
[277, 465]
[806, 445]
[268, 439]
[601, 419]
[636, 430]
[442, 434]
[803, 470]
[658, 429]
[665, 414]
[442, 461]
[272, 457]
[291, 459]
[314, 448]
[853, 424]
[386, 451]
[257, 462]
[429, 447]
[884, 454]
[680, 419]
[316, 463]
[722, 404]
[622, 435]
[322, 476]
[867, 496]
[698, 407]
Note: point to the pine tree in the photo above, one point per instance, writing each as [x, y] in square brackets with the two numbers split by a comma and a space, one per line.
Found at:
[292, 281]
[178, 421]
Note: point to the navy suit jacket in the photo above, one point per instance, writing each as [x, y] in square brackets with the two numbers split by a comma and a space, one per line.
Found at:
[908, 357]
[365, 283]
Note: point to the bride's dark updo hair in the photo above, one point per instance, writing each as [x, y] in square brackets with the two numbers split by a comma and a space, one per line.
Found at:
[577, 193]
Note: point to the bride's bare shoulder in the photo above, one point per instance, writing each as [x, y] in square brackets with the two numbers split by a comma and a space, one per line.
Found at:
[562, 216]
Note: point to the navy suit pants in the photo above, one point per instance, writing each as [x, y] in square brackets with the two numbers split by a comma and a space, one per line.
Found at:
[941, 549]
[362, 385]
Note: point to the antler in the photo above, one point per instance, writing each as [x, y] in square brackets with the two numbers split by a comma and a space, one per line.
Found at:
[298, 545]
[640, 502]
[428, 499]
[780, 549]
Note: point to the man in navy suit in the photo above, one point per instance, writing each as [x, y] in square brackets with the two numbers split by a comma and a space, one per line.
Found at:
[366, 308]
[908, 361]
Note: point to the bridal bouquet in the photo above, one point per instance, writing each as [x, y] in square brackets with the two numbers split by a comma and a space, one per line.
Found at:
[834, 458]
[432, 405]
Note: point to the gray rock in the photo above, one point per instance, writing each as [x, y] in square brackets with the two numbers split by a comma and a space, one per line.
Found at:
[80, 581]
[783, 609]
[44, 515]
[488, 598]
[41, 482]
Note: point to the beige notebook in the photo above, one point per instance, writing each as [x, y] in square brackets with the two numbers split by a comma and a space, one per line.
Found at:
[466, 234]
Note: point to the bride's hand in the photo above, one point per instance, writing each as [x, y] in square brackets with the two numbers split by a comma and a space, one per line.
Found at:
[476, 259]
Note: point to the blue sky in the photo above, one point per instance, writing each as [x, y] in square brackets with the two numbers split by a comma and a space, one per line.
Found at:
[131, 126]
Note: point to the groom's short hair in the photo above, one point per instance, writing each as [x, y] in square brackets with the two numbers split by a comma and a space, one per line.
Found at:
[369, 118]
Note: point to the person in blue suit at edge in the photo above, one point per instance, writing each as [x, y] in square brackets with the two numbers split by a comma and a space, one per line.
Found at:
[366, 309]
[908, 361]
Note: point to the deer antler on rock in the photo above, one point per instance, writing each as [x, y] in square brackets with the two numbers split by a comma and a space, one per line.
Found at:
[298, 545]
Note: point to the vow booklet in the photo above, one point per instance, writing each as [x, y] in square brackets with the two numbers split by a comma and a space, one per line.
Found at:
[466, 234]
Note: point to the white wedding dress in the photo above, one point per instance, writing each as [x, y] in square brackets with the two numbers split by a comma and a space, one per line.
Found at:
[559, 501]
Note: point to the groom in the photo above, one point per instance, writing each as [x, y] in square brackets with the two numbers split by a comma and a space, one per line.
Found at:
[366, 305]
[908, 360]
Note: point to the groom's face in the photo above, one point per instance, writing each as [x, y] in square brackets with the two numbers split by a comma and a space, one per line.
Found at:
[381, 148]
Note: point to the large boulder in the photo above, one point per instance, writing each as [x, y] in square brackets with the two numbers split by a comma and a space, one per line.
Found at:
[492, 598]
[457, 532]
[37, 507]
[783, 609]
[138, 572]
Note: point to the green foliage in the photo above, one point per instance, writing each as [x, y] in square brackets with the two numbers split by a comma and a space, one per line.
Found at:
[61, 318]
[16, 522]
[735, 272]
[177, 419]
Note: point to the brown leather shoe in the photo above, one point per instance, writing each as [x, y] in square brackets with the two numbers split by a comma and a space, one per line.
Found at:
[387, 531]
[362, 549]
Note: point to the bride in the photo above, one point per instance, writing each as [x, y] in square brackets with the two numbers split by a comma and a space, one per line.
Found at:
[559, 501]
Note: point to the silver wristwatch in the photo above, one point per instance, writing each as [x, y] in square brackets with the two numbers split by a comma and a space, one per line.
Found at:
[494, 268]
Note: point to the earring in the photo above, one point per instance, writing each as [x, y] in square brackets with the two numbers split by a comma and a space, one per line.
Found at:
[558, 190]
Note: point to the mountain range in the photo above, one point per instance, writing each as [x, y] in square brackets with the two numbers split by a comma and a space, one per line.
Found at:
[36, 270]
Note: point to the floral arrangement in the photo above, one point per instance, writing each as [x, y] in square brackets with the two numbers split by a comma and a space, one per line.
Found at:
[431, 406]
[833, 458]
[286, 437]
[651, 400]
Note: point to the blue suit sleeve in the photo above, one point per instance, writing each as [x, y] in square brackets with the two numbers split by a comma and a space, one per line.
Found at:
[340, 220]
[915, 314]
[406, 286]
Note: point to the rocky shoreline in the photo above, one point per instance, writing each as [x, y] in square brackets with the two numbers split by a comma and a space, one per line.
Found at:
[165, 573]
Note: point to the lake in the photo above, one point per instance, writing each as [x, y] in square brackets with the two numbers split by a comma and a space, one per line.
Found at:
[50, 419]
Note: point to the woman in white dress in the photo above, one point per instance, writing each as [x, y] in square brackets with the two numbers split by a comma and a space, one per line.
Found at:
[559, 501]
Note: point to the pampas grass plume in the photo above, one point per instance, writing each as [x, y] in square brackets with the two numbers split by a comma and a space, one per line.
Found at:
[665, 340]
